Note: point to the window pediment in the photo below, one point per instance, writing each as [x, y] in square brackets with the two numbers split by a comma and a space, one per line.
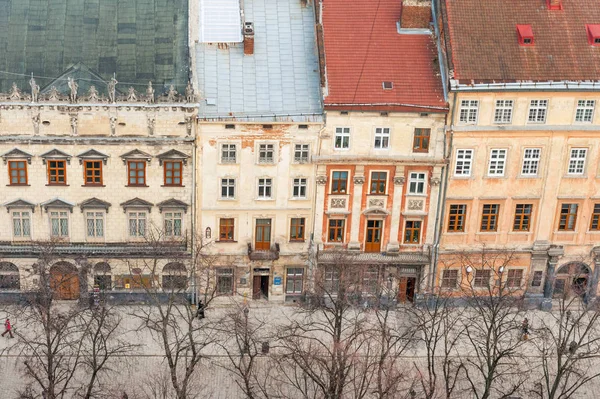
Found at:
[57, 203]
[172, 155]
[55, 154]
[136, 154]
[137, 203]
[376, 212]
[19, 203]
[92, 155]
[95, 203]
[172, 204]
[15, 153]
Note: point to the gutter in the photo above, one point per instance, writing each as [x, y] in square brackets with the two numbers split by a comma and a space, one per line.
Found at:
[386, 105]
[527, 86]
[194, 213]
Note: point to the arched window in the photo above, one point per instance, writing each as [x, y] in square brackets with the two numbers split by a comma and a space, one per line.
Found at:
[572, 278]
[103, 276]
[174, 276]
[9, 276]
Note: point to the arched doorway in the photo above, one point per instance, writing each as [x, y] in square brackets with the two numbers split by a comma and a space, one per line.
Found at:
[9, 276]
[64, 281]
[572, 279]
[103, 276]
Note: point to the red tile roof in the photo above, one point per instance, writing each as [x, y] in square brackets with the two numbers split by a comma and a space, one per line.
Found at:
[484, 44]
[363, 49]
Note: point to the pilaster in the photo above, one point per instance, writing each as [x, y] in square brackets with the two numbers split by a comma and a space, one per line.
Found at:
[359, 181]
[320, 203]
[394, 245]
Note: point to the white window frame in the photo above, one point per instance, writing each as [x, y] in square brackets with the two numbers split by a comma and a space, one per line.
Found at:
[383, 135]
[299, 183]
[577, 161]
[530, 164]
[537, 108]
[497, 162]
[95, 216]
[469, 112]
[463, 161]
[344, 134]
[21, 219]
[60, 214]
[137, 216]
[301, 149]
[171, 215]
[503, 111]
[266, 184]
[414, 180]
[229, 185]
[584, 113]
[228, 159]
[268, 148]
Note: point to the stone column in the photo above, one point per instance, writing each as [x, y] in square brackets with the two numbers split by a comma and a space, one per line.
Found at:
[554, 254]
[538, 263]
[359, 181]
[593, 287]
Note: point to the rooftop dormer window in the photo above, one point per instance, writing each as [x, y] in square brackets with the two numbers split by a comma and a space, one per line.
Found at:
[593, 34]
[388, 85]
[525, 35]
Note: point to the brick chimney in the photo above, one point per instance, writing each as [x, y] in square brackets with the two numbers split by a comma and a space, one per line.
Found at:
[555, 4]
[248, 38]
[415, 14]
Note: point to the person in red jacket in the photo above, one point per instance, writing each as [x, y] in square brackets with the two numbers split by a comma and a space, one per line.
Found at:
[7, 328]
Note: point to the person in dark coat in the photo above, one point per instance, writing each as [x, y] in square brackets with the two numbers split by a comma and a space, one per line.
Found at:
[200, 311]
[7, 328]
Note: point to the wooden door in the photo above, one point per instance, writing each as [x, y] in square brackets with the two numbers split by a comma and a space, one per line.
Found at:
[373, 239]
[263, 235]
[64, 282]
[256, 287]
[402, 283]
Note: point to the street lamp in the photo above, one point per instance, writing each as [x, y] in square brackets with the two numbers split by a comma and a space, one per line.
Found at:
[501, 269]
[469, 269]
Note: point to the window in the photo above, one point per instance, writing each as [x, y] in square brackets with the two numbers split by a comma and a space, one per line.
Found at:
[301, 152]
[525, 35]
[378, 182]
[416, 183]
[595, 223]
[297, 229]
[456, 218]
[585, 111]
[537, 111]
[339, 182]
[514, 278]
[173, 223]
[336, 230]
[264, 188]
[94, 222]
[17, 170]
[536, 281]
[382, 137]
[228, 153]
[342, 138]
[464, 158]
[59, 224]
[174, 276]
[489, 217]
[173, 173]
[299, 188]
[522, 217]
[92, 171]
[137, 173]
[293, 280]
[226, 227]
[265, 153]
[593, 34]
[412, 232]
[531, 161]
[482, 278]
[568, 217]
[370, 280]
[497, 162]
[503, 111]
[227, 188]
[421, 140]
[137, 224]
[449, 278]
[225, 281]
[21, 224]
[57, 172]
[577, 161]
[468, 111]
[331, 281]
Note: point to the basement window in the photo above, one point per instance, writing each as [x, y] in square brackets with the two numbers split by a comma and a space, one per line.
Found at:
[593, 34]
[388, 85]
[302, 126]
[267, 127]
[525, 35]
[229, 126]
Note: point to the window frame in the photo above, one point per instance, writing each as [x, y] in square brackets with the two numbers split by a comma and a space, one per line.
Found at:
[227, 159]
[301, 148]
[581, 111]
[297, 225]
[595, 218]
[464, 162]
[449, 280]
[338, 229]
[267, 188]
[468, 113]
[497, 162]
[482, 278]
[522, 218]
[412, 230]
[268, 148]
[333, 180]
[229, 185]
[61, 214]
[456, 221]
[419, 139]
[173, 177]
[137, 219]
[577, 161]
[21, 220]
[93, 168]
[227, 227]
[16, 168]
[530, 161]
[378, 181]
[501, 110]
[417, 181]
[511, 281]
[50, 169]
[344, 133]
[96, 215]
[294, 279]
[568, 216]
[383, 134]
[137, 177]
[298, 185]
[534, 111]
[224, 273]
[490, 218]
[170, 215]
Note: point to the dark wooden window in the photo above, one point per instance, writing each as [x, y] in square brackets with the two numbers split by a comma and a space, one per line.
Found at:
[336, 230]
[137, 173]
[412, 232]
[568, 217]
[262, 237]
[514, 278]
[225, 281]
[449, 278]
[489, 217]
[57, 172]
[17, 171]
[378, 182]
[421, 140]
[339, 183]
[92, 173]
[456, 218]
[595, 223]
[297, 229]
[482, 278]
[522, 217]
[373, 236]
[226, 227]
[173, 173]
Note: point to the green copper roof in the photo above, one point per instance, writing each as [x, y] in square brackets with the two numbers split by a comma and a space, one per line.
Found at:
[139, 40]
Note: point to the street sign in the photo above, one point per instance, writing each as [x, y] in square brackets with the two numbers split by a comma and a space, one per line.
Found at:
[277, 281]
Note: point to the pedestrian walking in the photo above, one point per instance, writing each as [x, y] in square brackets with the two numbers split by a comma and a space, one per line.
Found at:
[200, 311]
[7, 328]
[525, 329]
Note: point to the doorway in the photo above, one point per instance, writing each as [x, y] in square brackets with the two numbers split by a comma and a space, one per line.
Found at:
[406, 289]
[64, 281]
[373, 239]
[572, 279]
[260, 287]
[263, 235]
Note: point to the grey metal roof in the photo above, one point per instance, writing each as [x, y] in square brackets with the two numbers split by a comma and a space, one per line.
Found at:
[280, 81]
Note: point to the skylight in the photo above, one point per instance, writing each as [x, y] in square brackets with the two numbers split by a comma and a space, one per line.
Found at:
[220, 21]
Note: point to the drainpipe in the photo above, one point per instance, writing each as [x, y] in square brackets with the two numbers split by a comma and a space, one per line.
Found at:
[193, 223]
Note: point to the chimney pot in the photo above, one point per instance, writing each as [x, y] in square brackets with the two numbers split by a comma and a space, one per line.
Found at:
[248, 38]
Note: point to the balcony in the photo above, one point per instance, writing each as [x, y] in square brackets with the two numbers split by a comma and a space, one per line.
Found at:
[270, 254]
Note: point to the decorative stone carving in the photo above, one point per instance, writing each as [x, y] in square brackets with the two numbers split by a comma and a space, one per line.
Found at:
[189, 93]
[73, 86]
[35, 119]
[150, 93]
[112, 90]
[359, 180]
[435, 181]
[189, 121]
[15, 93]
[399, 180]
[375, 202]
[35, 90]
[151, 124]
[338, 202]
[93, 94]
[113, 125]
[54, 95]
[131, 96]
[415, 205]
[172, 95]
[321, 180]
[74, 122]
